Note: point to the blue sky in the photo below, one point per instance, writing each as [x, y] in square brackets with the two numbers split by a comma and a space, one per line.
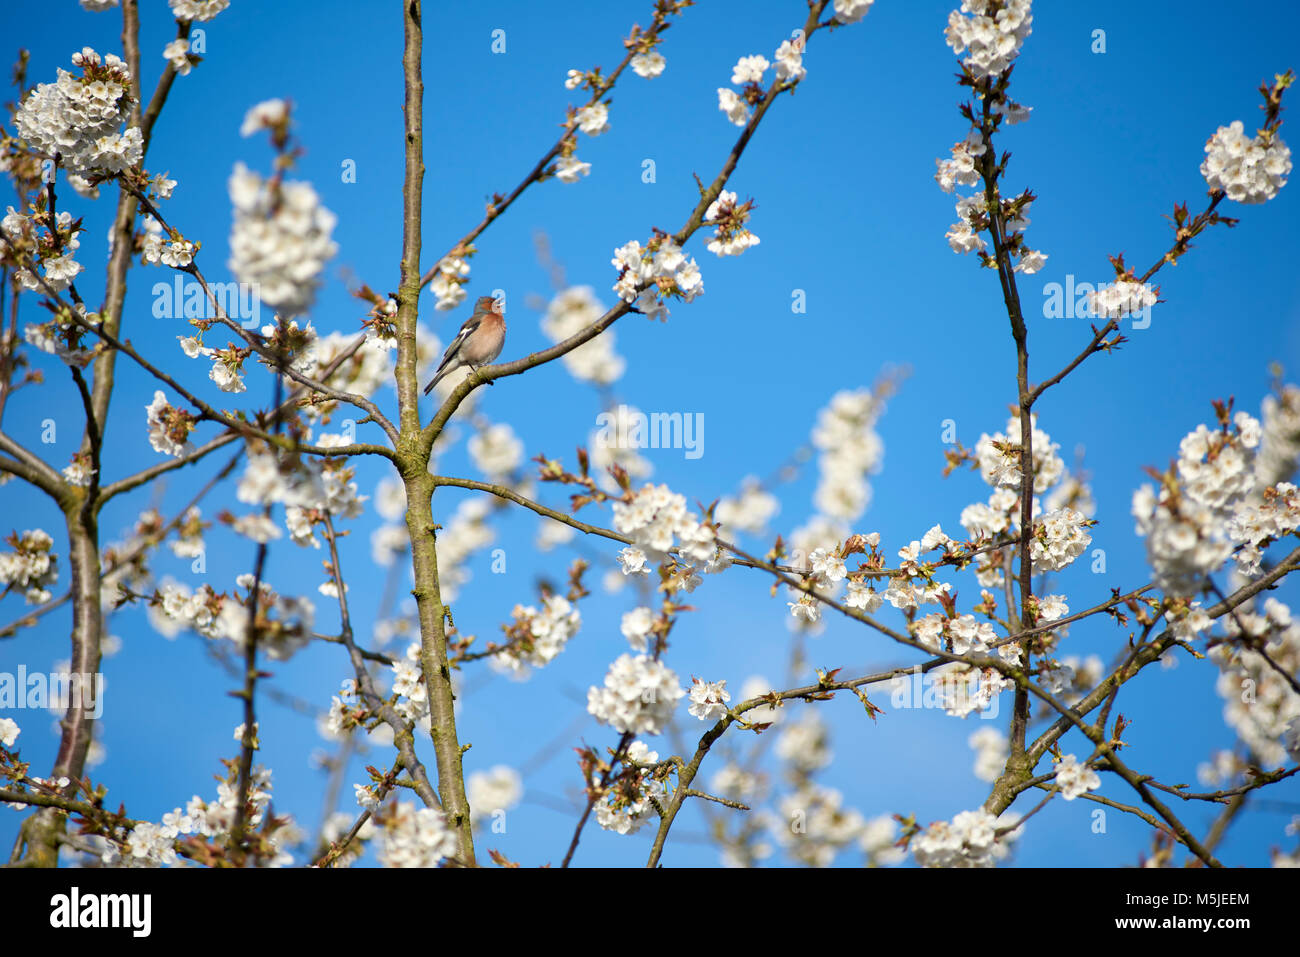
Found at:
[848, 211]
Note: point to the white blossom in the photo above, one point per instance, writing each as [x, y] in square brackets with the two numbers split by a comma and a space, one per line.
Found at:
[279, 240]
[1074, 778]
[649, 64]
[733, 105]
[991, 35]
[496, 451]
[658, 521]
[1248, 170]
[969, 840]
[851, 11]
[197, 10]
[749, 69]
[80, 118]
[569, 169]
[490, 792]
[708, 699]
[1124, 297]
[31, 566]
[594, 119]
[414, 837]
[175, 53]
[572, 310]
[789, 62]
[636, 626]
[638, 696]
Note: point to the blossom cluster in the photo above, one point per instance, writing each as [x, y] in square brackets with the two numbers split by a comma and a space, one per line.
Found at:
[54, 250]
[658, 522]
[413, 837]
[1188, 523]
[197, 10]
[493, 791]
[1060, 536]
[962, 634]
[962, 689]
[608, 448]
[747, 72]
[409, 685]
[649, 64]
[1267, 720]
[79, 118]
[367, 369]
[572, 310]
[466, 533]
[1074, 778]
[788, 60]
[637, 626]
[638, 696]
[826, 826]
[708, 699]
[1247, 170]
[990, 34]
[176, 606]
[731, 237]
[161, 250]
[628, 804]
[1060, 528]
[999, 457]
[345, 712]
[279, 239]
[539, 635]
[849, 449]
[750, 511]
[970, 839]
[569, 169]
[448, 283]
[961, 169]
[177, 54]
[153, 845]
[283, 623]
[1266, 515]
[1278, 456]
[64, 338]
[660, 269]
[31, 566]
[1123, 297]
[992, 749]
[495, 450]
[851, 11]
[298, 482]
[804, 743]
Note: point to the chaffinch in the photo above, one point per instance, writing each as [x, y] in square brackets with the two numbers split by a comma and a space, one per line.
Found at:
[478, 342]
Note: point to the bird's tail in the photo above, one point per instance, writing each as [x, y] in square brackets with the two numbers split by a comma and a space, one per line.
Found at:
[442, 371]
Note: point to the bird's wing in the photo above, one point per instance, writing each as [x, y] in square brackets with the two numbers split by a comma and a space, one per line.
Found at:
[453, 349]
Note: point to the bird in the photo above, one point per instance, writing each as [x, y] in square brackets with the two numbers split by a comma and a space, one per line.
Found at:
[478, 342]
